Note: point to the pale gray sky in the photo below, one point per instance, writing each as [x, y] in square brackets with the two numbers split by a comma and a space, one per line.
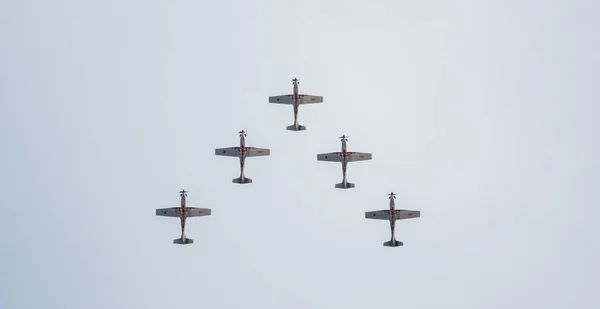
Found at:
[481, 114]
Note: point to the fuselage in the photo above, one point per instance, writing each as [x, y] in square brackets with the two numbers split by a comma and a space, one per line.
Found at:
[242, 140]
[183, 213]
[295, 81]
[296, 100]
[344, 155]
[242, 154]
[393, 218]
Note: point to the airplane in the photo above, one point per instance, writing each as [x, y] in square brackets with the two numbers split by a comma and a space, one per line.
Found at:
[392, 215]
[344, 157]
[183, 213]
[242, 152]
[296, 99]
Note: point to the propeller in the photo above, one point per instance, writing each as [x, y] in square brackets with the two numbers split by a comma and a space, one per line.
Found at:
[184, 192]
[344, 137]
[243, 132]
[296, 80]
[392, 195]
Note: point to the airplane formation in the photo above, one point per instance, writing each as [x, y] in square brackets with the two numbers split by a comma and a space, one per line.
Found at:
[242, 152]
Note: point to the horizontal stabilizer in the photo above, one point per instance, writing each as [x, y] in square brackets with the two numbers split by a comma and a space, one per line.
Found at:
[180, 241]
[240, 181]
[391, 244]
[293, 128]
[344, 186]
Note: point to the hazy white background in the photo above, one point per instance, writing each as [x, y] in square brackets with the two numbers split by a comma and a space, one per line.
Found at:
[481, 114]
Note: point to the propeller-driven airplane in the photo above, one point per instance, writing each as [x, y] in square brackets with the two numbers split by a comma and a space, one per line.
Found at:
[242, 152]
[344, 157]
[183, 213]
[296, 99]
[393, 214]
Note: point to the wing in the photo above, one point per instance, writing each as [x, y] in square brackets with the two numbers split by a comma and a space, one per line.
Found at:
[359, 156]
[399, 214]
[309, 99]
[282, 99]
[331, 157]
[169, 212]
[378, 214]
[407, 214]
[257, 152]
[197, 212]
[229, 152]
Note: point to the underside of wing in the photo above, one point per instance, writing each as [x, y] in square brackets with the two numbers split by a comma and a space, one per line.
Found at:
[229, 152]
[282, 99]
[407, 214]
[257, 152]
[169, 212]
[309, 99]
[378, 214]
[359, 156]
[198, 212]
[331, 157]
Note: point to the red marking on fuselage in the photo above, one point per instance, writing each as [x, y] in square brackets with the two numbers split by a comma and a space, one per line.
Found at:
[345, 154]
[243, 150]
[395, 212]
[296, 97]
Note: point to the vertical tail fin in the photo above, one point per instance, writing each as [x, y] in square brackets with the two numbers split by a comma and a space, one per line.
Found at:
[240, 181]
[180, 241]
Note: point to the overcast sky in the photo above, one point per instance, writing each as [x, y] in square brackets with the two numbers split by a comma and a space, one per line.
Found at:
[480, 114]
